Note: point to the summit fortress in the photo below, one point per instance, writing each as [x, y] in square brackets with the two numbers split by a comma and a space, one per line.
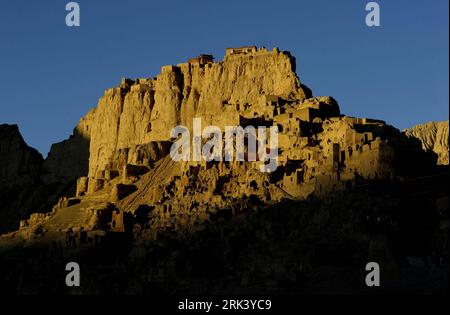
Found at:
[119, 152]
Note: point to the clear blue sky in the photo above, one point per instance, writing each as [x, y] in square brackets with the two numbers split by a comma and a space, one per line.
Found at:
[51, 75]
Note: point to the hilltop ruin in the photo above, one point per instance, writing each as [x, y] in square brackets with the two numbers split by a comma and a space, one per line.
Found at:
[129, 171]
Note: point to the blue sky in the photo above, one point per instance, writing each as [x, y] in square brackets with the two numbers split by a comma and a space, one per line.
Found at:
[51, 75]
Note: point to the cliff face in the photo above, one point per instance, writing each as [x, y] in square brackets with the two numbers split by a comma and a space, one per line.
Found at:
[434, 137]
[143, 110]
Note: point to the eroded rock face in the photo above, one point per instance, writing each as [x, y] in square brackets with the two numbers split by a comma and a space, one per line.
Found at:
[144, 110]
[434, 137]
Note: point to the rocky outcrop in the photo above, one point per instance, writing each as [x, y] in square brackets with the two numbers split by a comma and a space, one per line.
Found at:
[434, 137]
[144, 110]
[19, 164]
[28, 183]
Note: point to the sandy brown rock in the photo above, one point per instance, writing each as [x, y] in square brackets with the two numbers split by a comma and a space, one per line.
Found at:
[144, 110]
[434, 137]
